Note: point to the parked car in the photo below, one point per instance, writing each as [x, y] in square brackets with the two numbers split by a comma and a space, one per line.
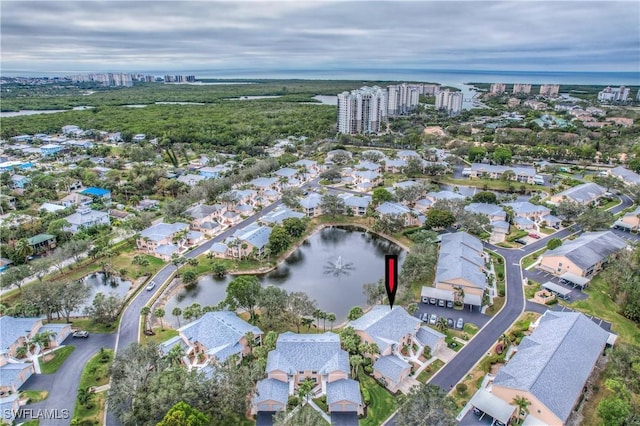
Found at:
[450, 322]
[519, 241]
[151, 286]
[449, 304]
[81, 333]
[432, 301]
[460, 324]
[441, 303]
[433, 319]
[536, 236]
[477, 411]
[424, 317]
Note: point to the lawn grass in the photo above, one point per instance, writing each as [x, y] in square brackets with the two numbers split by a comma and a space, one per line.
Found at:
[532, 258]
[34, 395]
[135, 271]
[322, 403]
[382, 405]
[429, 371]
[531, 289]
[547, 231]
[95, 373]
[160, 336]
[449, 340]
[610, 204]
[90, 325]
[55, 363]
[599, 304]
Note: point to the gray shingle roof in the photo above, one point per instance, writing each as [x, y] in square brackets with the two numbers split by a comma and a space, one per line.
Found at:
[166, 346]
[279, 214]
[311, 201]
[161, 231]
[390, 366]
[219, 332]
[589, 249]
[271, 390]
[254, 234]
[429, 337]
[486, 209]
[392, 208]
[13, 328]
[286, 172]
[554, 362]
[584, 193]
[626, 175]
[460, 257]
[445, 195]
[386, 326]
[351, 200]
[9, 373]
[308, 352]
[203, 210]
[344, 390]
[525, 207]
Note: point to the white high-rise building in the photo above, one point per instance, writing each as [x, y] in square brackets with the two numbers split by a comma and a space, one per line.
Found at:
[523, 89]
[497, 88]
[362, 110]
[449, 101]
[403, 98]
[549, 90]
[614, 94]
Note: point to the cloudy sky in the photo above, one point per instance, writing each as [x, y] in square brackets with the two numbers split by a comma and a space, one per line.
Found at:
[67, 36]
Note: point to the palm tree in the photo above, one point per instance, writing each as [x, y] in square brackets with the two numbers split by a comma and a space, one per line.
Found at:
[356, 361]
[43, 339]
[331, 317]
[523, 405]
[175, 355]
[458, 295]
[304, 389]
[24, 249]
[85, 395]
[323, 316]
[192, 261]
[145, 311]
[308, 322]
[251, 341]
[159, 313]
[317, 314]
[176, 312]
[441, 324]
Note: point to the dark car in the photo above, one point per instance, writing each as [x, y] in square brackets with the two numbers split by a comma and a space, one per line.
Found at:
[425, 317]
[81, 333]
[450, 322]
[519, 241]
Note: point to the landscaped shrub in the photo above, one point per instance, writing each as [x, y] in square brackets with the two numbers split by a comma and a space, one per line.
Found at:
[293, 401]
[461, 388]
[551, 302]
[368, 369]
[366, 397]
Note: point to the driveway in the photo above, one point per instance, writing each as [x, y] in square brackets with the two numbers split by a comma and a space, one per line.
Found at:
[63, 385]
[476, 317]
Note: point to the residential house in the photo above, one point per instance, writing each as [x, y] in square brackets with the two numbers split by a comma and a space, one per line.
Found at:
[311, 204]
[191, 180]
[368, 166]
[139, 137]
[493, 211]
[423, 205]
[394, 330]
[286, 172]
[527, 214]
[213, 338]
[625, 175]
[101, 194]
[443, 195]
[587, 193]
[86, 218]
[263, 184]
[315, 357]
[389, 208]
[51, 207]
[630, 221]
[5, 263]
[243, 241]
[19, 181]
[407, 154]
[50, 149]
[213, 172]
[394, 165]
[520, 174]
[460, 271]
[121, 214]
[163, 239]
[310, 168]
[340, 152]
[552, 366]
[585, 256]
[42, 243]
[357, 204]
[206, 218]
[147, 204]
[277, 215]
[76, 200]
[102, 171]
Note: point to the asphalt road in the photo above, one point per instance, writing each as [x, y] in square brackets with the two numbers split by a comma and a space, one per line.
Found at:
[63, 385]
[626, 202]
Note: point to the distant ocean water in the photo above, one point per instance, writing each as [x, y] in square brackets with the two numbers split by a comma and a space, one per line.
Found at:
[447, 77]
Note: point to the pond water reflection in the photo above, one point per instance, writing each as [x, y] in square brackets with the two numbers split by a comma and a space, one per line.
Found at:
[305, 270]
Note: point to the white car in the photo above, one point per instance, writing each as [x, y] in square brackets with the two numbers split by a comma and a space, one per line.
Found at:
[433, 319]
[151, 286]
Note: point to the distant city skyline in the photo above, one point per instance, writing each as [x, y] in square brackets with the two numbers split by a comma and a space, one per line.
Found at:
[137, 36]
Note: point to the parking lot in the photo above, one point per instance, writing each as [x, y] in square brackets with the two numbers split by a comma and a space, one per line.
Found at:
[543, 276]
[474, 317]
[472, 419]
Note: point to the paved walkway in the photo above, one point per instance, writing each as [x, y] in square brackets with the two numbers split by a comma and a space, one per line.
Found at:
[319, 410]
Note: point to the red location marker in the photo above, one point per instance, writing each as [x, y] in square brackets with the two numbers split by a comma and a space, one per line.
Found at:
[391, 277]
